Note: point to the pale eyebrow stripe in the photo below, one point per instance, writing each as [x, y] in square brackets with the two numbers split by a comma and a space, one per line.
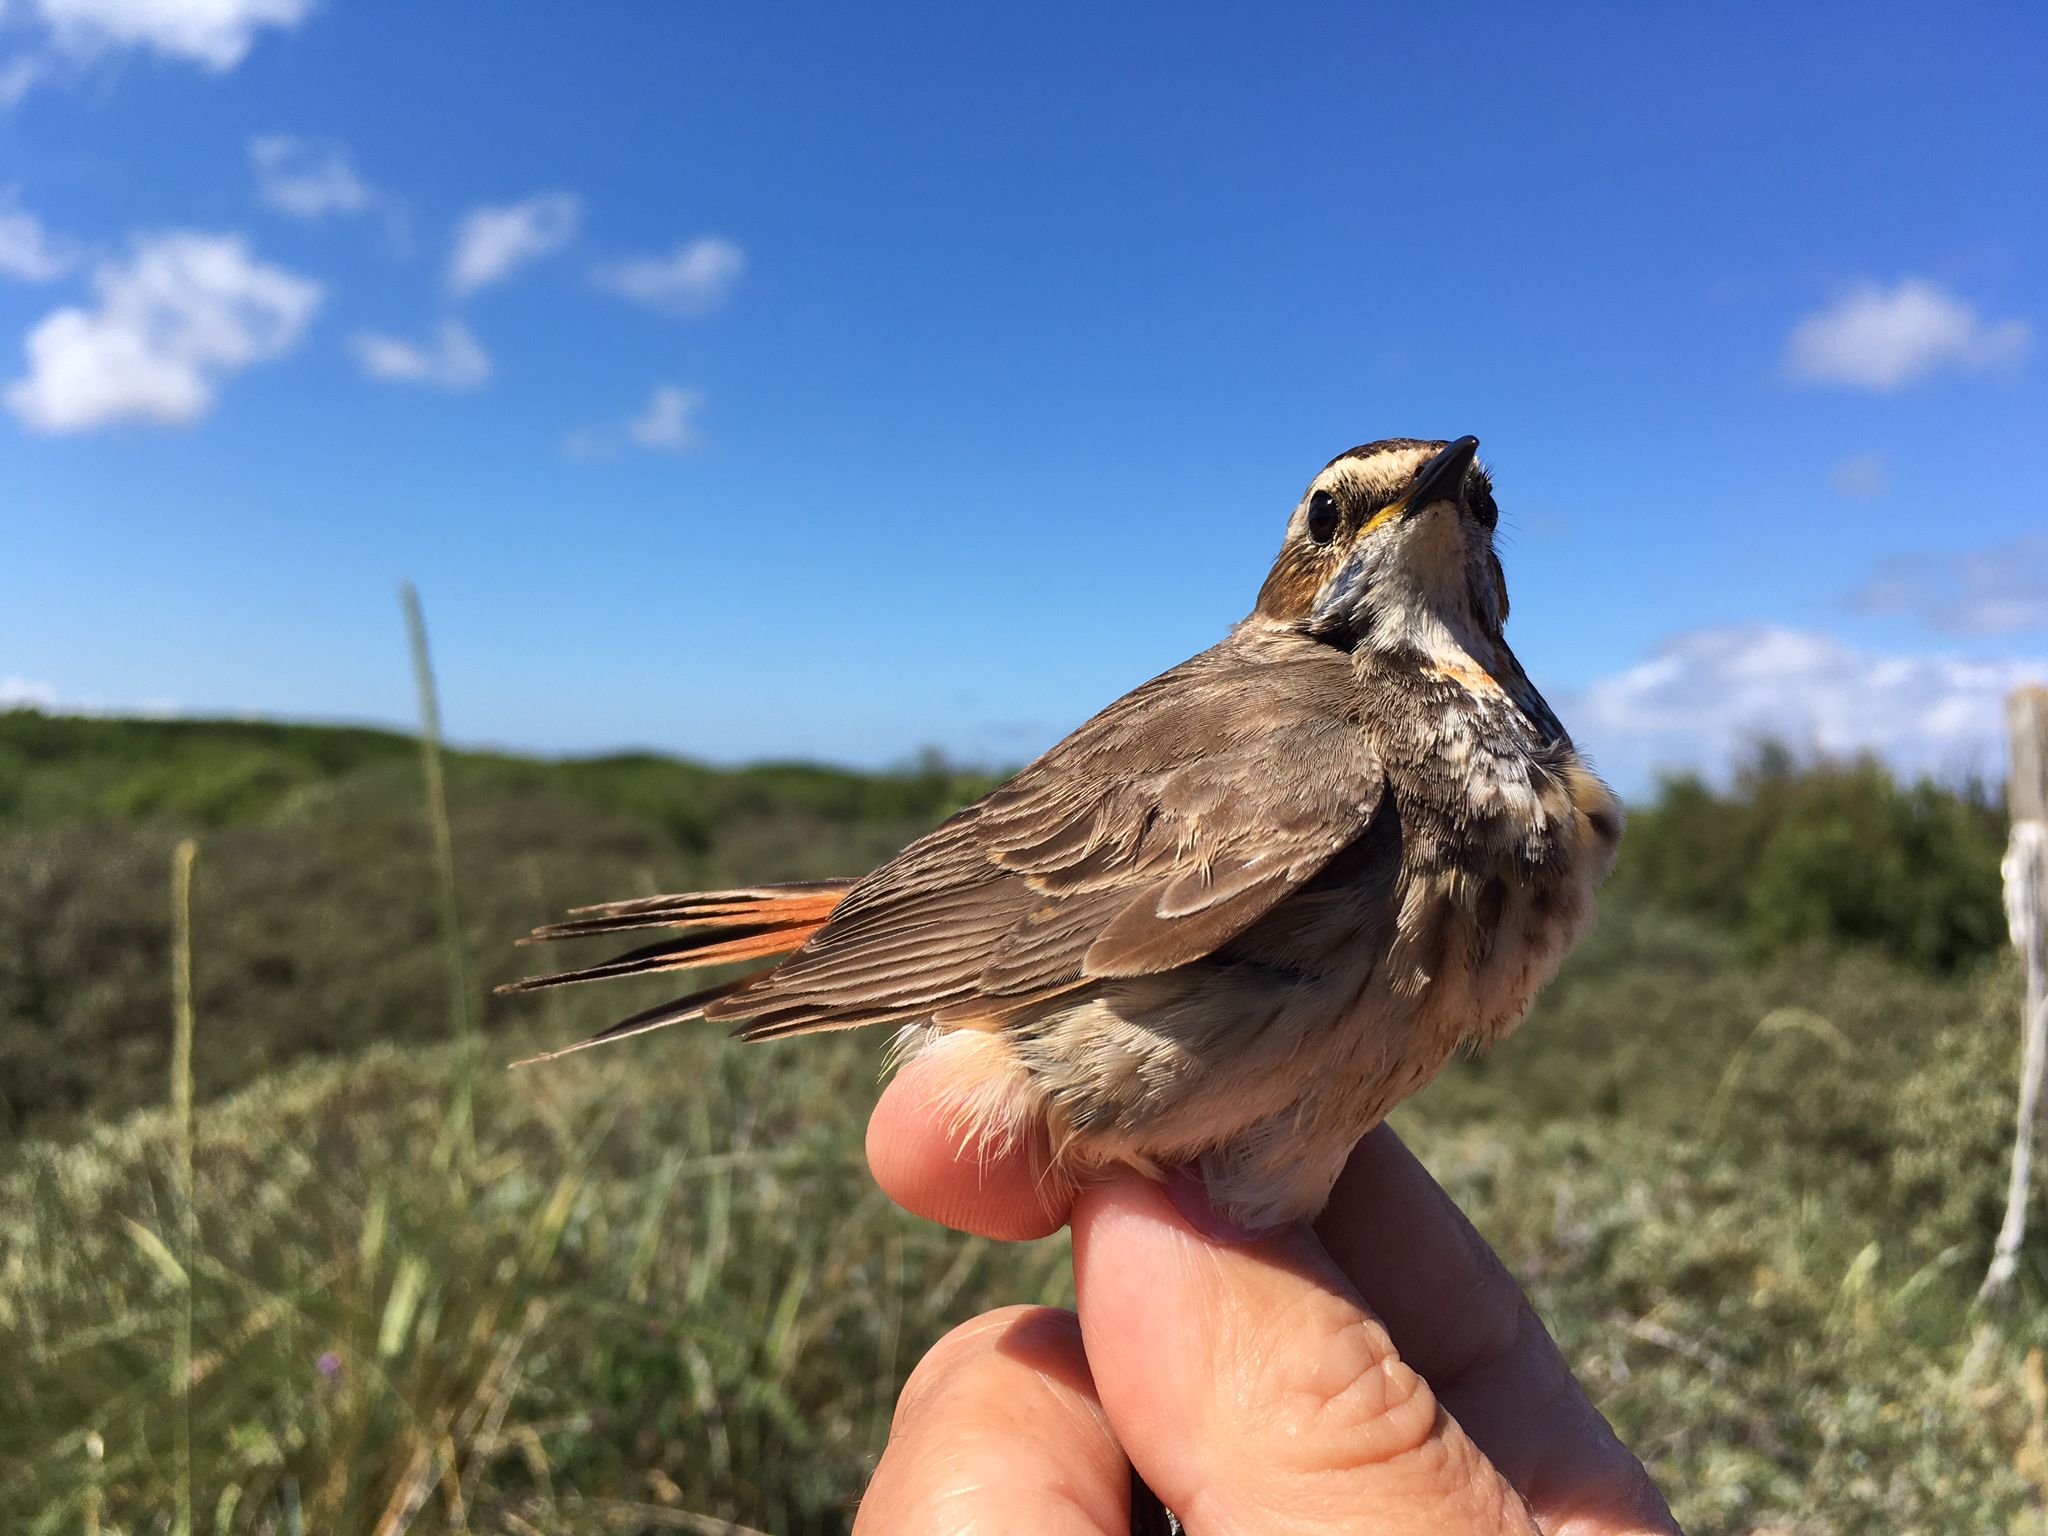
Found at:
[1381, 476]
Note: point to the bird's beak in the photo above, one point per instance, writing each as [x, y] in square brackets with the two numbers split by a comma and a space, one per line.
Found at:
[1443, 477]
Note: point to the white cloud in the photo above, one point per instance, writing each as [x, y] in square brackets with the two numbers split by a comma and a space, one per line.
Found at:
[492, 243]
[28, 251]
[18, 76]
[667, 423]
[214, 33]
[669, 419]
[454, 359]
[1701, 695]
[695, 278]
[1885, 338]
[2001, 591]
[20, 693]
[307, 181]
[1861, 476]
[181, 314]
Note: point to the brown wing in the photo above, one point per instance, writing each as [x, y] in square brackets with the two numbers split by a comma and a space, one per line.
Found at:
[1158, 831]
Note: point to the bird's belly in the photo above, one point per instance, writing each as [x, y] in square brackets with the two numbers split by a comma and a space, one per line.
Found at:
[1398, 1032]
[1268, 1070]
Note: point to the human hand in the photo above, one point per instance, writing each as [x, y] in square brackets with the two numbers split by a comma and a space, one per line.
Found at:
[1382, 1373]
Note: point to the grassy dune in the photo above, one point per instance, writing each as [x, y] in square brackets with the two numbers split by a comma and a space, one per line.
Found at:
[1752, 1206]
[655, 1291]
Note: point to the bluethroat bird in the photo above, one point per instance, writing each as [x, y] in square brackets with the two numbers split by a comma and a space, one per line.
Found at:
[1244, 911]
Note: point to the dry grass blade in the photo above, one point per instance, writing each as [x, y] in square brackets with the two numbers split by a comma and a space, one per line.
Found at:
[184, 1024]
[461, 1010]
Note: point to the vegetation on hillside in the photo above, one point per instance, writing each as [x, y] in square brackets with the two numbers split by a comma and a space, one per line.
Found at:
[316, 896]
[1747, 1154]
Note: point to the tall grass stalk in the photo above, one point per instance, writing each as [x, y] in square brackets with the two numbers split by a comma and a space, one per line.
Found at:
[181, 1117]
[462, 1015]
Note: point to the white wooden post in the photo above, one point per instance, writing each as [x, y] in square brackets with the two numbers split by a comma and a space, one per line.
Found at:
[2026, 897]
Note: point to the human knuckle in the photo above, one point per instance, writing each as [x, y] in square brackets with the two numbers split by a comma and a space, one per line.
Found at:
[1345, 1399]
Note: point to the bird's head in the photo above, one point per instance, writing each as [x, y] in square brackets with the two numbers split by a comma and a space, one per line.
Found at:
[1392, 546]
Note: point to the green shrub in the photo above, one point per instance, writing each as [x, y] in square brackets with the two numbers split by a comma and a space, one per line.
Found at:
[1829, 852]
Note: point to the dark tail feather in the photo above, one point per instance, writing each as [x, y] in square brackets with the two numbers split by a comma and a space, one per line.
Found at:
[717, 948]
[718, 928]
[801, 901]
[658, 1017]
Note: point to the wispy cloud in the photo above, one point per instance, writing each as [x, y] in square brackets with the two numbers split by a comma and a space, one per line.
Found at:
[692, 279]
[28, 251]
[2001, 591]
[1701, 695]
[452, 359]
[216, 34]
[18, 76]
[306, 180]
[1860, 476]
[493, 243]
[1881, 338]
[181, 314]
[670, 420]
[53, 38]
[666, 424]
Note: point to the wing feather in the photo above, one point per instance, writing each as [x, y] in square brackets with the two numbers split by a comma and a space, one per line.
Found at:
[1152, 836]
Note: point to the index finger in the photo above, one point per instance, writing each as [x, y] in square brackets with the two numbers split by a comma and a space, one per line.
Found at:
[1000, 1422]
[934, 1172]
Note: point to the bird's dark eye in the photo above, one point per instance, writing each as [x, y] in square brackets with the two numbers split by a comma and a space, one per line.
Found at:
[1483, 508]
[1322, 517]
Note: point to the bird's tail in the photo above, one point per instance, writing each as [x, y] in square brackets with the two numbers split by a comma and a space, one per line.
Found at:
[708, 928]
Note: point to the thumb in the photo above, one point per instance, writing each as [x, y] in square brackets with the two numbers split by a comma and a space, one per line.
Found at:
[1254, 1390]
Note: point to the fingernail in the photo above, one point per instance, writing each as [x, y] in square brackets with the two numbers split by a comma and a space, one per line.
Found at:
[1190, 1196]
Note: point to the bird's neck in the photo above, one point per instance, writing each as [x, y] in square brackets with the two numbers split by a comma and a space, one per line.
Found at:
[1464, 677]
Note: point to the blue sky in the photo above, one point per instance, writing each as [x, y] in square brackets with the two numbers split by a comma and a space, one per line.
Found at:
[749, 381]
